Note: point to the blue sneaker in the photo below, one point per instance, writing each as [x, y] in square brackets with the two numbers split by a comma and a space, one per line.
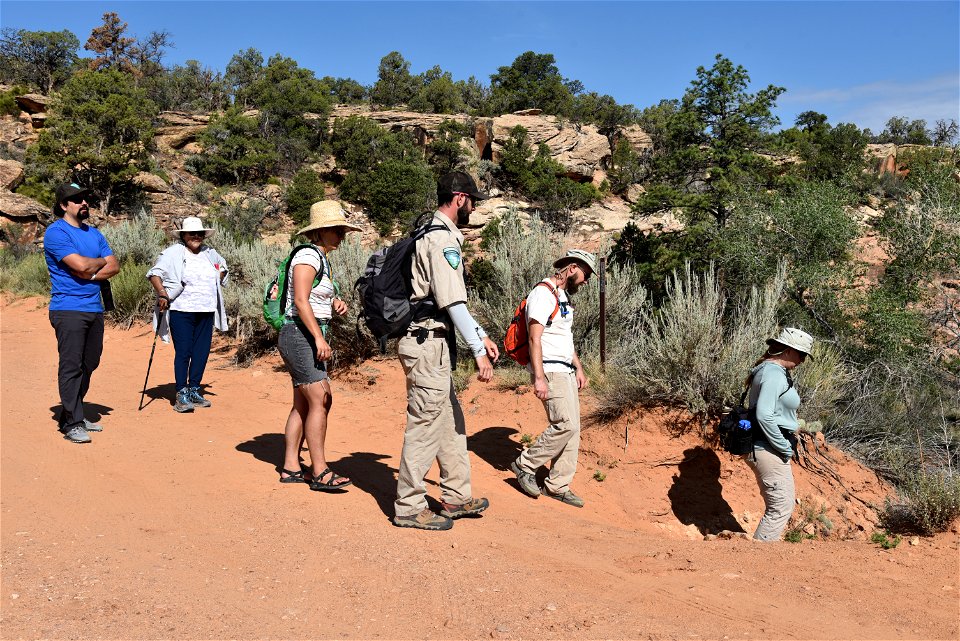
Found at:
[183, 404]
[76, 434]
[196, 398]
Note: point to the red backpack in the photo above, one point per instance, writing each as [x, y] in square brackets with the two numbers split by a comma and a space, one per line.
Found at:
[516, 343]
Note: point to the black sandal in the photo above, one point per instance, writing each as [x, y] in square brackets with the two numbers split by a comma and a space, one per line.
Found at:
[292, 477]
[329, 485]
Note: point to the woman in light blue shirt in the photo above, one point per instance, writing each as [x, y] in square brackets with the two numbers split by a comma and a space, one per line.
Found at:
[775, 401]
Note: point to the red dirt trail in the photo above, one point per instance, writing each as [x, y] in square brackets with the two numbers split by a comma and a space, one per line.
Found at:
[173, 526]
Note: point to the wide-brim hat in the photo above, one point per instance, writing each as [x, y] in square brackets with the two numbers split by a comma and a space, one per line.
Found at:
[580, 256]
[328, 213]
[193, 223]
[65, 191]
[795, 338]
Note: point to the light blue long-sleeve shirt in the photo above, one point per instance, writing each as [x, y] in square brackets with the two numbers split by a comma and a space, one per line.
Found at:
[776, 404]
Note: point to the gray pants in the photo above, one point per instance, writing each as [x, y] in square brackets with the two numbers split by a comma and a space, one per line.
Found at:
[559, 444]
[775, 479]
[435, 428]
[80, 343]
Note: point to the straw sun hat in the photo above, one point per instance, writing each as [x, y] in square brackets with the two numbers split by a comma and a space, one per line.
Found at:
[328, 213]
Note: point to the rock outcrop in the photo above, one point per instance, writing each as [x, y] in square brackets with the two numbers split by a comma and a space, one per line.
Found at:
[581, 149]
[11, 174]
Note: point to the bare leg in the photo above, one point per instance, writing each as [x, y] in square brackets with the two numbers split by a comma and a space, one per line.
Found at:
[320, 400]
[293, 432]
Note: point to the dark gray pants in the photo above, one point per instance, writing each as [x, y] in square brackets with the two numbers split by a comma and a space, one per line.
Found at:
[80, 343]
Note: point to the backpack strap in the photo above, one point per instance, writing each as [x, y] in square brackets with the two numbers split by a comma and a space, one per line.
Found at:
[286, 281]
[556, 309]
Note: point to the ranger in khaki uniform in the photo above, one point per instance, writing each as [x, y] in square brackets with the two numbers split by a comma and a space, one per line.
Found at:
[435, 425]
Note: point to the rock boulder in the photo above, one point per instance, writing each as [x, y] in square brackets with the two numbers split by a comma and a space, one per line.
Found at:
[11, 174]
[581, 149]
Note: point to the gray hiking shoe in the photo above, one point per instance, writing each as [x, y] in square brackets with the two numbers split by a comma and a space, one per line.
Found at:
[183, 404]
[470, 508]
[92, 427]
[526, 480]
[197, 398]
[76, 434]
[567, 497]
[426, 520]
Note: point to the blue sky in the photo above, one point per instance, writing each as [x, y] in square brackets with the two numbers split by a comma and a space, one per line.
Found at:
[859, 62]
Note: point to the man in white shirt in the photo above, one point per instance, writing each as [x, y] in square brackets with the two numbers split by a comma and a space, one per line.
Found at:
[557, 376]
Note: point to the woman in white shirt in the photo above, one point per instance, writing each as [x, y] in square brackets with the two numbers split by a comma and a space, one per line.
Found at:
[188, 278]
[311, 302]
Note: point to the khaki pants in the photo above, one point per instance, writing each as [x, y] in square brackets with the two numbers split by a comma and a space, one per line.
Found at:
[435, 428]
[775, 479]
[560, 442]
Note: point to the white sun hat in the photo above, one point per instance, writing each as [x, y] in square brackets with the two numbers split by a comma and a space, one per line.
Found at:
[795, 338]
[193, 223]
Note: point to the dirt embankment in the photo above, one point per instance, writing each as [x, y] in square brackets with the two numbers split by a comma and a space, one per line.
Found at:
[173, 526]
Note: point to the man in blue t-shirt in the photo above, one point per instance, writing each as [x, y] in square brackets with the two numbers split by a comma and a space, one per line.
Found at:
[79, 260]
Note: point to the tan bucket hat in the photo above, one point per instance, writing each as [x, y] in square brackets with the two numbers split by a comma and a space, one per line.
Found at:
[580, 256]
[795, 338]
[328, 213]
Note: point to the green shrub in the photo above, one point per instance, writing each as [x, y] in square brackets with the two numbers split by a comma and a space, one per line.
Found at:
[305, 189]
[132, 293]
[40, 190]
[8, 101]
[886, 540]
[234, 151]
[241, 218]
[347, 264]
[929, 503]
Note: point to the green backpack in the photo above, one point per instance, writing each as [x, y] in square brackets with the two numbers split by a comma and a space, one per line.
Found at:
[275, 294]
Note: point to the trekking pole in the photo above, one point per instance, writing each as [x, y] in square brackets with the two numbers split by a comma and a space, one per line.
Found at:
[149, 365]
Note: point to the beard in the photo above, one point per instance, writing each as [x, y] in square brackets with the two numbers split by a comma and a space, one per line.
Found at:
[463, 215]
[83, 213]
[571, 286]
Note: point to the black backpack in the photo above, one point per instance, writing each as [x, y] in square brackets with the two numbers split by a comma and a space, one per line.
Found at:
[385, 288]
[738, 428]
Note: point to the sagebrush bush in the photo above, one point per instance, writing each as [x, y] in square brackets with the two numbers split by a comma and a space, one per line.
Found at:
[694, 351]
[137, 239]
[27, 275]
[252, 264]
[132, 293]
[347, 264]
[929, 501]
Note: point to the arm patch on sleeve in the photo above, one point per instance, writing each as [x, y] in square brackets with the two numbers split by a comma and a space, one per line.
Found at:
[452, 254]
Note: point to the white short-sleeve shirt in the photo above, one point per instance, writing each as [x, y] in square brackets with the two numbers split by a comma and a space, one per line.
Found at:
[557, 338]
[321, 296]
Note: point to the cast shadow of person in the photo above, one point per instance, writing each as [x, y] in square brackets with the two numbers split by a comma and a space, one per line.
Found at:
[696, 495]
[494, 445]
[91, 411]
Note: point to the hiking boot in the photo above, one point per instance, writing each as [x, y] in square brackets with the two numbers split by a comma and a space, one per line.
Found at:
[76, 434]
[526, 480]
[197, 399]
[470, 508]
[92, 427]
[183, 404]
[426, 520]
[567, 497]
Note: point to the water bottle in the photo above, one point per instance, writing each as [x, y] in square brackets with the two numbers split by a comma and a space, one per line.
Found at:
[744, 424]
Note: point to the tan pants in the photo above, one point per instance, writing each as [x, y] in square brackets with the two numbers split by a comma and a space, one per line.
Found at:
[775, 479]
[435, 428]
[560, 442]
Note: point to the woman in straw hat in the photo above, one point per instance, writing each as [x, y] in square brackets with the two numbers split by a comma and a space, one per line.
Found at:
[311, 302]
[775, 401]
[188, 279]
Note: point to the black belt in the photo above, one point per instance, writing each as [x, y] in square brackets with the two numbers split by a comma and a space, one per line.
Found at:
[422, 334]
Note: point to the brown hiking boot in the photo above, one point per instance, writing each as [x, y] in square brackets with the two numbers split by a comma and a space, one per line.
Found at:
[426, 520]
[470, 508]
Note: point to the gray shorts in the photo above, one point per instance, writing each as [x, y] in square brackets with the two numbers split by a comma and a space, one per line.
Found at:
[299, 352]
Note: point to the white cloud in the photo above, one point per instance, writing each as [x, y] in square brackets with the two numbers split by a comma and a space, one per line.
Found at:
[871, 105]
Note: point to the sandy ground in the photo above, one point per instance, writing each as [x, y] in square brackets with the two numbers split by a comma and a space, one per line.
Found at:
[174, 526]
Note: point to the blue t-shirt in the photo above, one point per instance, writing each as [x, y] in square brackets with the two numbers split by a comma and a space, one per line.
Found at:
[69, 293]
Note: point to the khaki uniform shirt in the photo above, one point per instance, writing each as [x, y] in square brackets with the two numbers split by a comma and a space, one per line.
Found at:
[438, 270]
